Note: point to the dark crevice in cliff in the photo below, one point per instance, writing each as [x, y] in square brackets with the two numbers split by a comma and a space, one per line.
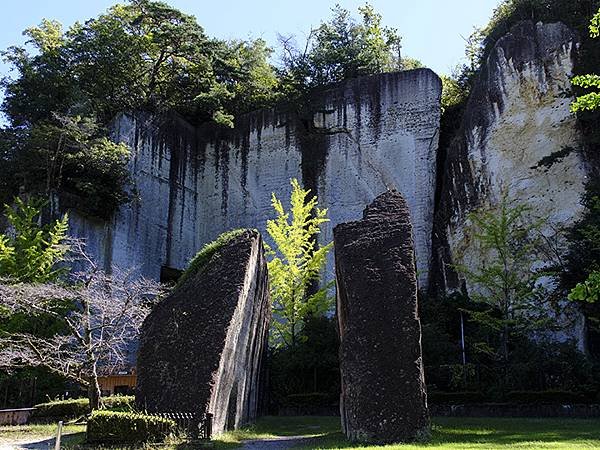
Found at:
[313, 147]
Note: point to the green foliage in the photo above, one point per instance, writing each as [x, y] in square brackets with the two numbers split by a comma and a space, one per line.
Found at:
[455, 398]
[342, 48]
[535, 364]
[75, 408]
[591, 100]
[127, 427]
[62, 409]
[453, 94]
[142, 55]
[30, 386]
[312, 366]
[295, 264]
[587, 291]
[199, 261]
[33, 251]
[119, 403]
[508, 242]
[71, 157]
[550, 397]
[313, 399]
[580, 275]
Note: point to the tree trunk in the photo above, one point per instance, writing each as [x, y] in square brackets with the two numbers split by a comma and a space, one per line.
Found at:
[504, 341]
[94, 393]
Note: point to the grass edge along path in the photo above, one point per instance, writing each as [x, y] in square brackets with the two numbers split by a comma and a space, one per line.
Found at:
[448, 433]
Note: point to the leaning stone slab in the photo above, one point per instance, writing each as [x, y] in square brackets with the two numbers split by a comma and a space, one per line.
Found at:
[383, 397]
[201, 348]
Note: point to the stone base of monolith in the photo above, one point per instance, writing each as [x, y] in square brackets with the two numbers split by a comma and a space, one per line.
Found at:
[383, 397]
[201, 348]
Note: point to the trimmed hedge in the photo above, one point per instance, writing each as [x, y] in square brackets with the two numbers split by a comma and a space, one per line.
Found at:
[63, 409]
[74, 408]
[454, 398]
[515, 397]
[127, 427]
[550, 396]
[311, 399]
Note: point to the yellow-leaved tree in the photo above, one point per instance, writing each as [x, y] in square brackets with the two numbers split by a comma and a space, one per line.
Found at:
[295, 265]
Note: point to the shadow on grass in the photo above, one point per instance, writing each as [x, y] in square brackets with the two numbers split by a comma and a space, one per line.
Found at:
[447, 433]
[68, 441]
[492, 433]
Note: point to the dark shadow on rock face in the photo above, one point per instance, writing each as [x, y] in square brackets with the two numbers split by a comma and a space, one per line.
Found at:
[201, 349]
[383, 390]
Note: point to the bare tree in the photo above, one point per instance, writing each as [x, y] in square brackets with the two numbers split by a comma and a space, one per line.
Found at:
[102, 315]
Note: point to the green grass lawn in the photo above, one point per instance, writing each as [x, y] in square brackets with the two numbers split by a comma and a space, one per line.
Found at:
[448, 433]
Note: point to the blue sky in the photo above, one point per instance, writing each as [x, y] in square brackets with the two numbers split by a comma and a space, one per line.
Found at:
[432, 30]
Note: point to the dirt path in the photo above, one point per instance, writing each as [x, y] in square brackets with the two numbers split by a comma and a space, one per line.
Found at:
[34, 442]
[277, 443]
[39, 443]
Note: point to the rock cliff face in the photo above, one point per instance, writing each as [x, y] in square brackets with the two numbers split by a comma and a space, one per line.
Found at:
[357, 139]
[201, 348]
[383, 388]
[517, 137]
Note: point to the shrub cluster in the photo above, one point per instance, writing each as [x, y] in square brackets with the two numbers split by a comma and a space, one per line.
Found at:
[521, 397]
[551, 396]
[127, 427]
[454, 398]
[74, 408]
[63, 409]
[311, 399]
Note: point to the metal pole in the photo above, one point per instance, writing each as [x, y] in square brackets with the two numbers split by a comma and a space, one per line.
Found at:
[462, 339]
[58, 436]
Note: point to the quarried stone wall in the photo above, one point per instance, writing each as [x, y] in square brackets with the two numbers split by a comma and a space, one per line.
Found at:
[517, 138]
[352, 141]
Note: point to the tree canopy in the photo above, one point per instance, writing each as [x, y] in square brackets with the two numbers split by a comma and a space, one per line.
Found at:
[140, 55]
[145, 55]
[342, 48]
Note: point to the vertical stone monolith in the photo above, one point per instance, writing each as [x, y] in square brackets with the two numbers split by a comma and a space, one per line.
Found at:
[201, 348]
[383, 398]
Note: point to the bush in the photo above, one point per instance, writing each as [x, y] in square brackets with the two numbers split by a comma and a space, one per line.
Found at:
[550, 397]
[74, 408]
[313, 399]
[119, 403]
[127, 427]
[440, 398]
[63, 409]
